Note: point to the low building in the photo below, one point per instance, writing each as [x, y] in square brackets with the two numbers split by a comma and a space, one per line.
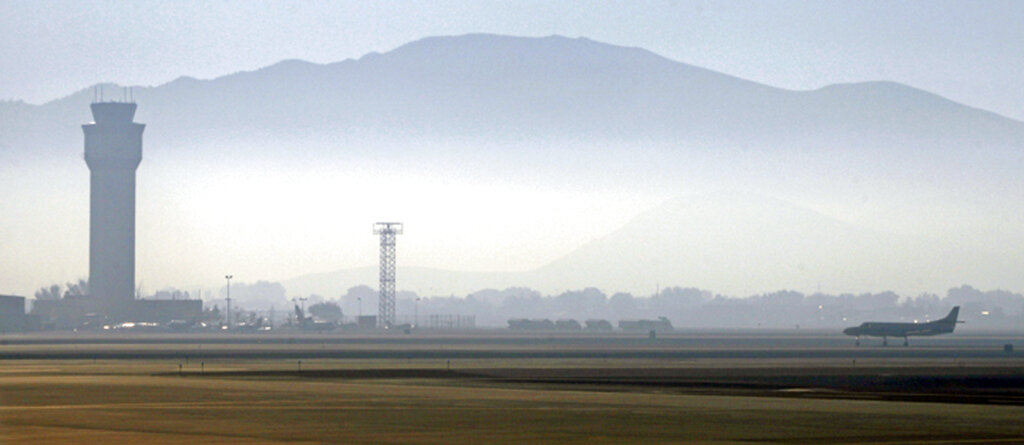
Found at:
[595, 325]
[164, 311]
[524, 324]
[567, 325]
[660, 325]
[81, 313]
[451, 321]
[71, 312]
[366, 321]
[12, 315]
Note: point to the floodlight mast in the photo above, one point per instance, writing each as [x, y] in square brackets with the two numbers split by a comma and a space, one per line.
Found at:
[386, 309]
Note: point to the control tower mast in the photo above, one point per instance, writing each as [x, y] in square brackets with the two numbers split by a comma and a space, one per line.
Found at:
[386, 308]
[113, 150]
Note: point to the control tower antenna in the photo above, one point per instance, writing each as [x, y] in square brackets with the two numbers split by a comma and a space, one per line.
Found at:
[386, 309]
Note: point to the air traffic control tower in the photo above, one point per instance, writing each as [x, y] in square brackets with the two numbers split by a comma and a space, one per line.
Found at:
[113, 150]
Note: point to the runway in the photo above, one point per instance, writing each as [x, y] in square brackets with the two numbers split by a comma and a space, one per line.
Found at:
[684, 345]
[707, 387]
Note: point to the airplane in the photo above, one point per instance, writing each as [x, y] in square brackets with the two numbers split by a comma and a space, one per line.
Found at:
[887, 329]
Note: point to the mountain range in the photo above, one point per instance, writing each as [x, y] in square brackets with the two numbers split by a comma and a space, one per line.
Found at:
[557, 112]
[522, 89]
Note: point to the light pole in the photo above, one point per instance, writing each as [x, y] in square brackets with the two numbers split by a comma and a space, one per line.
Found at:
[229, 277]
[416, 313]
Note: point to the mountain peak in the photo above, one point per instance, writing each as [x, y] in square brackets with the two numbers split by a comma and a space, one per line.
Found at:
[552, 47]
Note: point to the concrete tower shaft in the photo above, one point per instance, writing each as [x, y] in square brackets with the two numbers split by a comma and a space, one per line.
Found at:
[113, 150]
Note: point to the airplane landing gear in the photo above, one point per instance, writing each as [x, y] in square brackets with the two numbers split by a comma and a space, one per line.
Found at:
[857, 343]
[906, 341]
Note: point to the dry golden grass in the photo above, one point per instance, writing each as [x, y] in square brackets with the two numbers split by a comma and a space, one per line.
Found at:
[137, 401]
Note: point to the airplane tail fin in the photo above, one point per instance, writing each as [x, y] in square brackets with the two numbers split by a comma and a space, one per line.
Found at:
[952, 315]
[948, 323]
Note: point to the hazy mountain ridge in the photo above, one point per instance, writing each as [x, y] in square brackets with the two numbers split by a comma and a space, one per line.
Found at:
[706, 240]
[516, 88]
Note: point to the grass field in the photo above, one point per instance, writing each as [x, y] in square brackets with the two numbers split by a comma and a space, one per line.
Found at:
[508, 400]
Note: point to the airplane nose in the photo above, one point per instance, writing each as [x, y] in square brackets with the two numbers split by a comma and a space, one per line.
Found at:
[848, 331]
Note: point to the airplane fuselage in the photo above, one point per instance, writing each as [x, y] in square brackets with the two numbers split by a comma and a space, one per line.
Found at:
[891, 329]
[884, 329]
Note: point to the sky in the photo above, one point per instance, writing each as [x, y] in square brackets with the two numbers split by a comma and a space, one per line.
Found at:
[967, 51]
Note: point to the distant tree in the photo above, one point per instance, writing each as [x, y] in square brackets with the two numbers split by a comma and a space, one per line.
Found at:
[211, 314]
[77, 290]
[994, 302]
[361, 291]
[676, 300]
[887, 299]
[683, 296]
[783, 298]
[588, 302]
[170, 294]
[492, 296]
[326, 311]
[48, 293]
[623, 305]
[361, 296]
[923, 304]
[258, 295]
[524, 305]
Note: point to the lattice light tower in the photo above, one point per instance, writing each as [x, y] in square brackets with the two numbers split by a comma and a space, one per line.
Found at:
[386, 310]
